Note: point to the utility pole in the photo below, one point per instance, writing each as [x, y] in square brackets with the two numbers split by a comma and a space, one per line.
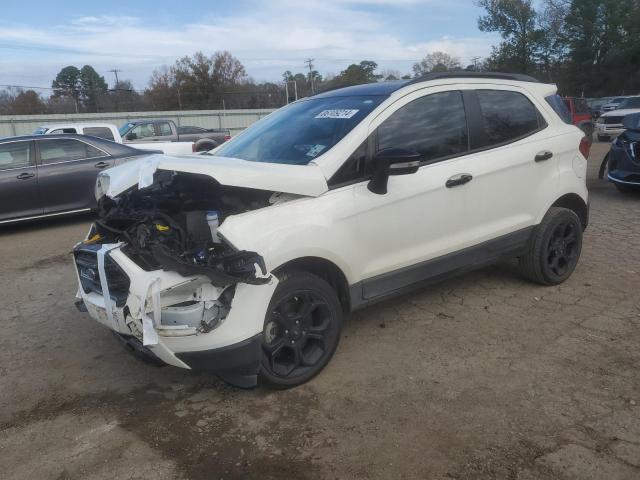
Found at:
[475, 63]
[115, 71]
[308, 61]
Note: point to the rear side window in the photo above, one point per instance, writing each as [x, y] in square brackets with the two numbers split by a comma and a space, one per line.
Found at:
[100, 132]
[55, 151]
[507, 115]
[557, 103]
[165, 129]
[14, 155]
[435, 126]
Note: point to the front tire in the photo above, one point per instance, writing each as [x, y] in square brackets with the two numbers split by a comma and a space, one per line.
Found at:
[301, 330]
[554, 248]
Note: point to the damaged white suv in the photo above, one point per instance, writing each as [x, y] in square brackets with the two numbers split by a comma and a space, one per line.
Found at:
[245, 261]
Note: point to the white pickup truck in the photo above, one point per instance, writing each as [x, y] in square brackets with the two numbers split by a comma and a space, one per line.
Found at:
[110, 132]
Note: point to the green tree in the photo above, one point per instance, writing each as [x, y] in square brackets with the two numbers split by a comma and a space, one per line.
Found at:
[355, 74]
[93, 88]
[517, 22]
[67, 84]
[603, 42]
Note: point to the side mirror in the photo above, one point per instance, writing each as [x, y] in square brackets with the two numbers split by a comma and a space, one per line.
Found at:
[632, 122]
[392, 161]
[131, 136]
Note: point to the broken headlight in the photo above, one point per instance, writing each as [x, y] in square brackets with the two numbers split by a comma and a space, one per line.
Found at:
[102, 185]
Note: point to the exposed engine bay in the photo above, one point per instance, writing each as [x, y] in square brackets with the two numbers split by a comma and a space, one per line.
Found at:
[165, 226]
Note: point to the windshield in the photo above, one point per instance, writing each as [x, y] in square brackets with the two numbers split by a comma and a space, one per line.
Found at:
[630, 103]
[125, 128]
[40, 131]
[618, 100]
[302, 131]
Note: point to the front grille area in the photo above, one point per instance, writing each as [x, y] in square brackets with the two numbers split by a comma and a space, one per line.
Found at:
[86, 258]
[613, 120]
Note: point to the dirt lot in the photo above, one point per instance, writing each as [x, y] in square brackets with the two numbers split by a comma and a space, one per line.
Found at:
[485, 376]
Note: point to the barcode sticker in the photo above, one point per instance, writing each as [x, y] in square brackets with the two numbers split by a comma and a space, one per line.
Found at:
[341, 113]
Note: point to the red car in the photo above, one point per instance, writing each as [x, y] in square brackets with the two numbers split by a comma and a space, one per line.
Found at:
[579, 109]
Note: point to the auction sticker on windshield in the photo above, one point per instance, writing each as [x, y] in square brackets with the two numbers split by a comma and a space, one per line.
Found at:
[340, 113]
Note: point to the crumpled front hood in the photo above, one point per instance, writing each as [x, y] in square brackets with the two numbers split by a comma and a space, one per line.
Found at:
[296, 179]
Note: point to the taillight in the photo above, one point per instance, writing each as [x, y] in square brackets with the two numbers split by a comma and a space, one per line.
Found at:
[585, 147]
[193, 148]
[227, 137]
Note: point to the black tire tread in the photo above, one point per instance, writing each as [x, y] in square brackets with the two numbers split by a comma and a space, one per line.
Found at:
[530, 262]
[307, 279]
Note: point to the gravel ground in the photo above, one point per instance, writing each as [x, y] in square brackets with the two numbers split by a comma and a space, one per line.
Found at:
[483, 376]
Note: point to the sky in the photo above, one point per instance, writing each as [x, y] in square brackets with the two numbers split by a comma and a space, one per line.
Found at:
[38, 38]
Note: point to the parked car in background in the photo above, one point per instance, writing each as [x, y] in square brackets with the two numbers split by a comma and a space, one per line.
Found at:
[610, 124]
[244, 262]
[595, 106]
[167, 131]
[46, 175]
[624, 156]
[613, 103]
[109, 131]
[578, 108]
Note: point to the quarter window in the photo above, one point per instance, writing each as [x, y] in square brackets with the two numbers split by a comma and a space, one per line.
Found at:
[507, 115]
[14, 155]
[434, 126]
[165, 129]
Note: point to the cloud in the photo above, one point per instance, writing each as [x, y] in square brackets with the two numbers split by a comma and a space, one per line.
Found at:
[268, 38]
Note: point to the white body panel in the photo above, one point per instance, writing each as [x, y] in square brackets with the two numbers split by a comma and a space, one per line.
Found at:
[365, 234]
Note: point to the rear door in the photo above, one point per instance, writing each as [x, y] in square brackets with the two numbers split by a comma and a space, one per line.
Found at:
[515, 168]
[18, 181]
[67, 171]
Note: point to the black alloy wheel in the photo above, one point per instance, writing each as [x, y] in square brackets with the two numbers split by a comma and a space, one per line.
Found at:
[554, 247]
[563, 249]
[301, 330]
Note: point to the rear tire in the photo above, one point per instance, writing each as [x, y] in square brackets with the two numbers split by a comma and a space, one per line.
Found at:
[301, 330]
[554, 248]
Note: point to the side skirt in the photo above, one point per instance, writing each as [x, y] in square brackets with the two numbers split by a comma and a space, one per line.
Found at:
[397, 282]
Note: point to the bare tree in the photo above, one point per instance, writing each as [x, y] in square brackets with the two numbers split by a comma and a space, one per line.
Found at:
[436, 62]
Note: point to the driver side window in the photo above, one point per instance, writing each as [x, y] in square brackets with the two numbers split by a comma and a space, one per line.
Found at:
[144, 130]
[435, 126]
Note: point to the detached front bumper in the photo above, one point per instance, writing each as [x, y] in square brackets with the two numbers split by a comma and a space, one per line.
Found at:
[158, 312]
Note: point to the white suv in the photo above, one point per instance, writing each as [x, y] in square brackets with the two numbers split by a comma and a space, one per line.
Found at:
[244, 262]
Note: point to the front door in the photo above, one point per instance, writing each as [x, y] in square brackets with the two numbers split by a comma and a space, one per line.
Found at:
[18, 181]
[420, 218]
[67, 172]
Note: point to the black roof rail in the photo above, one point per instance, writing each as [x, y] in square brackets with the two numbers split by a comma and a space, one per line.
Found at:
[464, 74]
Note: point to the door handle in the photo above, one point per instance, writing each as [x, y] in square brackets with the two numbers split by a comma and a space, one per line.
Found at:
[544, 155]
[459, 179]
[25, 176]
[101, 165]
